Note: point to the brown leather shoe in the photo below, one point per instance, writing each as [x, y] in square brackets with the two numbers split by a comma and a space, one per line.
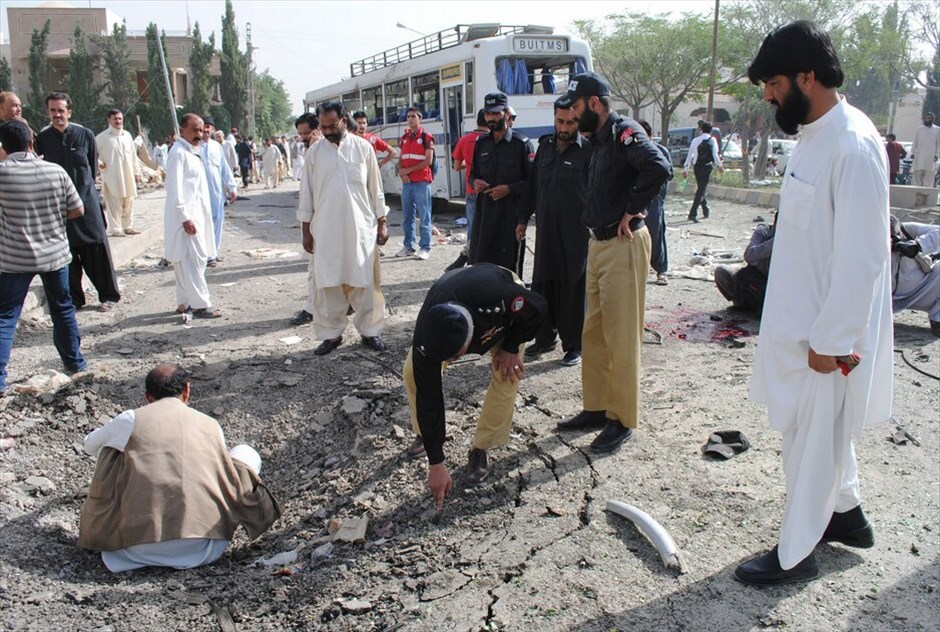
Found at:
[477, 469]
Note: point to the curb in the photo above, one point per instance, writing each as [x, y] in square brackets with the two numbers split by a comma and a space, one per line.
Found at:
[123, 249]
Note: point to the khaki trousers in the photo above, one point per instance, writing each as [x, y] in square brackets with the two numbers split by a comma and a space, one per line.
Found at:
[498, 405]
[330, 305]
[613, 326]
[120, 210]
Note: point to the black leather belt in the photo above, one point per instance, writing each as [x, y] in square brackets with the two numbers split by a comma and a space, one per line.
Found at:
[609, 232]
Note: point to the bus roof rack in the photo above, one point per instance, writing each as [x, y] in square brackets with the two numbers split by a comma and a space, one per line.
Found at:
[439, 41]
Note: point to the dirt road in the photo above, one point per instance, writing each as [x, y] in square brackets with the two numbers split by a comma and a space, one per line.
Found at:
[534, 547]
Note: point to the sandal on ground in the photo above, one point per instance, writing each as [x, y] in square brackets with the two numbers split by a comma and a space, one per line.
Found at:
[207, 312]
[724, 444]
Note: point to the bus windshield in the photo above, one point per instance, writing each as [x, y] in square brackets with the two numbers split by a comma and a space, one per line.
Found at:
[536, 75]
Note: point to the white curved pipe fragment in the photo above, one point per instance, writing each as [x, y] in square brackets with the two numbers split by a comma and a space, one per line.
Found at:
[662, 541]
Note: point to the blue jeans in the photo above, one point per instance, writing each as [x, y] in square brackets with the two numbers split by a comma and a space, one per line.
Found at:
[470, 212]
[416, 202]
[65, 335]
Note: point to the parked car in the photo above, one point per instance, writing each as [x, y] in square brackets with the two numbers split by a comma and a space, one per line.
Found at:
[778, 155]
[678, 141]
[731, 156]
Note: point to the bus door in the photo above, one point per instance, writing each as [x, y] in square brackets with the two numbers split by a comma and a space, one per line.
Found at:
[453, 130]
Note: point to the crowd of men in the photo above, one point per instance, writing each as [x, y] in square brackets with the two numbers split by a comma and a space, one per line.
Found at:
[595, 186]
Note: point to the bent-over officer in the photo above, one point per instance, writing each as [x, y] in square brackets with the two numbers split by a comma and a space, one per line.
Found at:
[558, 186]
[626, 173]
[469, 310]
[499, 174]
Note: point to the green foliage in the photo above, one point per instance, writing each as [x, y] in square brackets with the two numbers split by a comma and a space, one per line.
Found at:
[34, 108]
[652, 58]
[932, 102]
[158, 116]
[6, 75]
[874, 56]
[272, 105]
[80, 82]
[234, 65]
[119, 83]
[200, 60]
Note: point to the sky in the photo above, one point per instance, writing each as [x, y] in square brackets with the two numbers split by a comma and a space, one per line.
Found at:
[310, 44]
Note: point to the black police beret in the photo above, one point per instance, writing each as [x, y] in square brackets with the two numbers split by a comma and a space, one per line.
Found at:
[588, 84]
[443, 332]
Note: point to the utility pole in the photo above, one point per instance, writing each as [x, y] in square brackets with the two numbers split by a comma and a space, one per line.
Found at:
[709, 114]
[251, 84]
[166, 79]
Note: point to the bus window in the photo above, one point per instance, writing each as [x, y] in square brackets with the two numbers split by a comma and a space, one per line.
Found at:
[541, 75]
[426, 94]
[372, 104]
[351, 101]
[469, 96]
[396, 99]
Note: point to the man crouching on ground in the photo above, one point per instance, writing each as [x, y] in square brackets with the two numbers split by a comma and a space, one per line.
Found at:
[142, 510]
[470, 310]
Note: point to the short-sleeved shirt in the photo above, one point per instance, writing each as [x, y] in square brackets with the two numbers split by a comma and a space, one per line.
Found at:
[377, 143]
[464, 151]
[35, 197]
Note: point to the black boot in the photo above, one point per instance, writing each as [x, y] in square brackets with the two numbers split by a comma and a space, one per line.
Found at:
[850, 528]
[584, 420]
[611, 437]
[459, 262]
[766, 571]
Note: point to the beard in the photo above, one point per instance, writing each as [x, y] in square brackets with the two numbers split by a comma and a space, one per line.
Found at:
[497, 126]
[589, 121]
[793, 111]
[336, 136]
[565, 137]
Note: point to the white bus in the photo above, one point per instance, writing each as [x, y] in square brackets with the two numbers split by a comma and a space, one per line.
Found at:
[447, 74]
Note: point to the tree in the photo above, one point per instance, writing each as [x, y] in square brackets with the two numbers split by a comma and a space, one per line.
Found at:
[653, 59]
[202, 82]
[38, 68]
[744, 25]
[6, 75]
[925, 30]
[874, 56]
[158, 117]
[272, 105]
[81, 80]
[234, 66]
[615, 57]
[116, 55]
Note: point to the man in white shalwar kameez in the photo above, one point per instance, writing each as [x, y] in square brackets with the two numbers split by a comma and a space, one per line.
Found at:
[187, 220]
[915, 271]
[828, 296]
[342, 213]
[117, 161]
[221, 182]
[925, 151]
[272, 159]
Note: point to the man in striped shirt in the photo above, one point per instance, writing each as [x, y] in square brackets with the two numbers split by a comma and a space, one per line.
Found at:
[36, 199]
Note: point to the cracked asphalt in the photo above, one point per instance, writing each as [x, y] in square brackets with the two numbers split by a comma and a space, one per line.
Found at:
[532, 548]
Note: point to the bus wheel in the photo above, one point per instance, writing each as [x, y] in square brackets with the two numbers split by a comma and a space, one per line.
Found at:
[439, 205]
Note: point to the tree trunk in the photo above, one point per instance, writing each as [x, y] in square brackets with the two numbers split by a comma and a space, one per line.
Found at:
[760, 169]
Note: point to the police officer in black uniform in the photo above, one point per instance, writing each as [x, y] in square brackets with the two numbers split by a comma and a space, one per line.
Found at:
[625, 175]
[469, 310]
[501, 163]
[558, 186]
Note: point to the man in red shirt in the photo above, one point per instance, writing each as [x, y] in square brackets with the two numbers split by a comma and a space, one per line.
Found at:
[378, 145]
[895, 153]
[463, 160]
[414, 169]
